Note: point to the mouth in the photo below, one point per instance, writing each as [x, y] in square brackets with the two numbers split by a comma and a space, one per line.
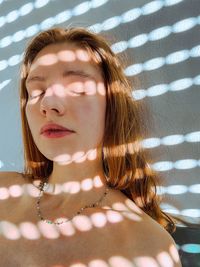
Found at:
[54, 128]
[55, 133]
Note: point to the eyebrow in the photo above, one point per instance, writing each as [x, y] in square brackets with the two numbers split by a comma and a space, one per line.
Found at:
[37, 78]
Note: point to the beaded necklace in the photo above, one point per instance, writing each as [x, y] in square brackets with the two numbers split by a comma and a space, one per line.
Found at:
[39, 213]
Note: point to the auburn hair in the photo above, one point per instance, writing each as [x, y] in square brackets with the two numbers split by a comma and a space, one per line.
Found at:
[125, 161]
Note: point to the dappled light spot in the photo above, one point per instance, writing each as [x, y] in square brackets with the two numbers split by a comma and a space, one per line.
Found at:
[91, 87]
[78, 156]
[97, 263]
[145, 261]
[9, 230]
[86, 184]
[82, 223]
[83, 55]
[98, 219]
[78, 265]
[132, 206]
[92, 154]
[132, 216]
[97, 182]
[47, 60]
[126, 212]
[164, 259]
[4, 193]
[32, 190]
[174, 253]
[66, 229]
[66, 55]
[101, 88]
[72, 187]
[120, 261]
[15, 190]
[114, 216]
[48, 230]
[29, 231]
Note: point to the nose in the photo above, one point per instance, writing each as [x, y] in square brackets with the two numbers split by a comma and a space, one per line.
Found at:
[51, 104]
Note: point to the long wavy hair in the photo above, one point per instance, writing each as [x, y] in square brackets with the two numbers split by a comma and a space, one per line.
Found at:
[125, 162]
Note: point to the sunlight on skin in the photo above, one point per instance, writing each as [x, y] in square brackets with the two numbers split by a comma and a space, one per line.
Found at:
[67, 229]
[174, 253]
[125, 211]
[97, 263]
[133, 207]
[98, 219]
[82, 223]
[48, 230]
[78, 265]
[4, 193]
[87, 184]
[29, 231]
[15, 190]
[165, 259]
[9, 230]
[114, 216]
[77, 157]
[145, 261]
[119, 261]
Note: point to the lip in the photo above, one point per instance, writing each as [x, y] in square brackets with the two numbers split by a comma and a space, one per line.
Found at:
[52, 126]
[59, 134]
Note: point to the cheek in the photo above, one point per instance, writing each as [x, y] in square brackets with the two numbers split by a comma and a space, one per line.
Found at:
[92, 114]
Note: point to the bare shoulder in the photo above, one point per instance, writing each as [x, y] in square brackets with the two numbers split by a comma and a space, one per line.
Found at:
[145, 242]
[158, 245]
[9, 178]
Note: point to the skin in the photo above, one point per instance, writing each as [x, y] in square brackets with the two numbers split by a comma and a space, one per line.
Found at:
[70, 91]
[117, 234]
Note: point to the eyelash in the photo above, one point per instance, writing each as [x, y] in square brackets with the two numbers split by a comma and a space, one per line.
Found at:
[32, 97]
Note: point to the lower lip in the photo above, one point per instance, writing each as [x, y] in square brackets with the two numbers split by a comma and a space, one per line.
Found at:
[56, 134]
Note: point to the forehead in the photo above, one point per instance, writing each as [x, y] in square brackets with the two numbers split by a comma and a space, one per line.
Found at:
[65, 54]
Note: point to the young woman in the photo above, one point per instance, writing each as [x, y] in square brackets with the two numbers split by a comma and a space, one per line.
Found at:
[88, 193]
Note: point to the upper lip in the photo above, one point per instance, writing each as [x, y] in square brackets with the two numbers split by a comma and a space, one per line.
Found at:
[53, 126]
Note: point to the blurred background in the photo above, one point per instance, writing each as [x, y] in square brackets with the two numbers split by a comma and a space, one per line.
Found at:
[159, 42]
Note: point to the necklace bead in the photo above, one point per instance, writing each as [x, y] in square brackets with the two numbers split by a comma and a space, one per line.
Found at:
[39, 213]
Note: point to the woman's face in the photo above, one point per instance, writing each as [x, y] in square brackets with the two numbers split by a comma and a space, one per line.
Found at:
[66, 87]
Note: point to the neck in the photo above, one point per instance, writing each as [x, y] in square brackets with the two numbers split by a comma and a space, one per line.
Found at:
[74, 185]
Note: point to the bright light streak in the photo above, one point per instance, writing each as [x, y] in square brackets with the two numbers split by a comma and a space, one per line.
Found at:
[26, 9]
[131, 15]
[152, 7]
[151, 142]
[184, 25]
[119, 47]
[12, 16]
[160, 33]
[172, 2]
[2, 85]
[195, 213]
[163, 166]
[81, 8]
[98, 3]
[41, 3]
[177, 57]
[172, 140]
[111, 23]
[185, 164]
[137, 41]
[195, 189]
[191, 248]
[157, 90]
[1, 162]
[176, 189]
[181, 84]
[63, 16]
[154, 63]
